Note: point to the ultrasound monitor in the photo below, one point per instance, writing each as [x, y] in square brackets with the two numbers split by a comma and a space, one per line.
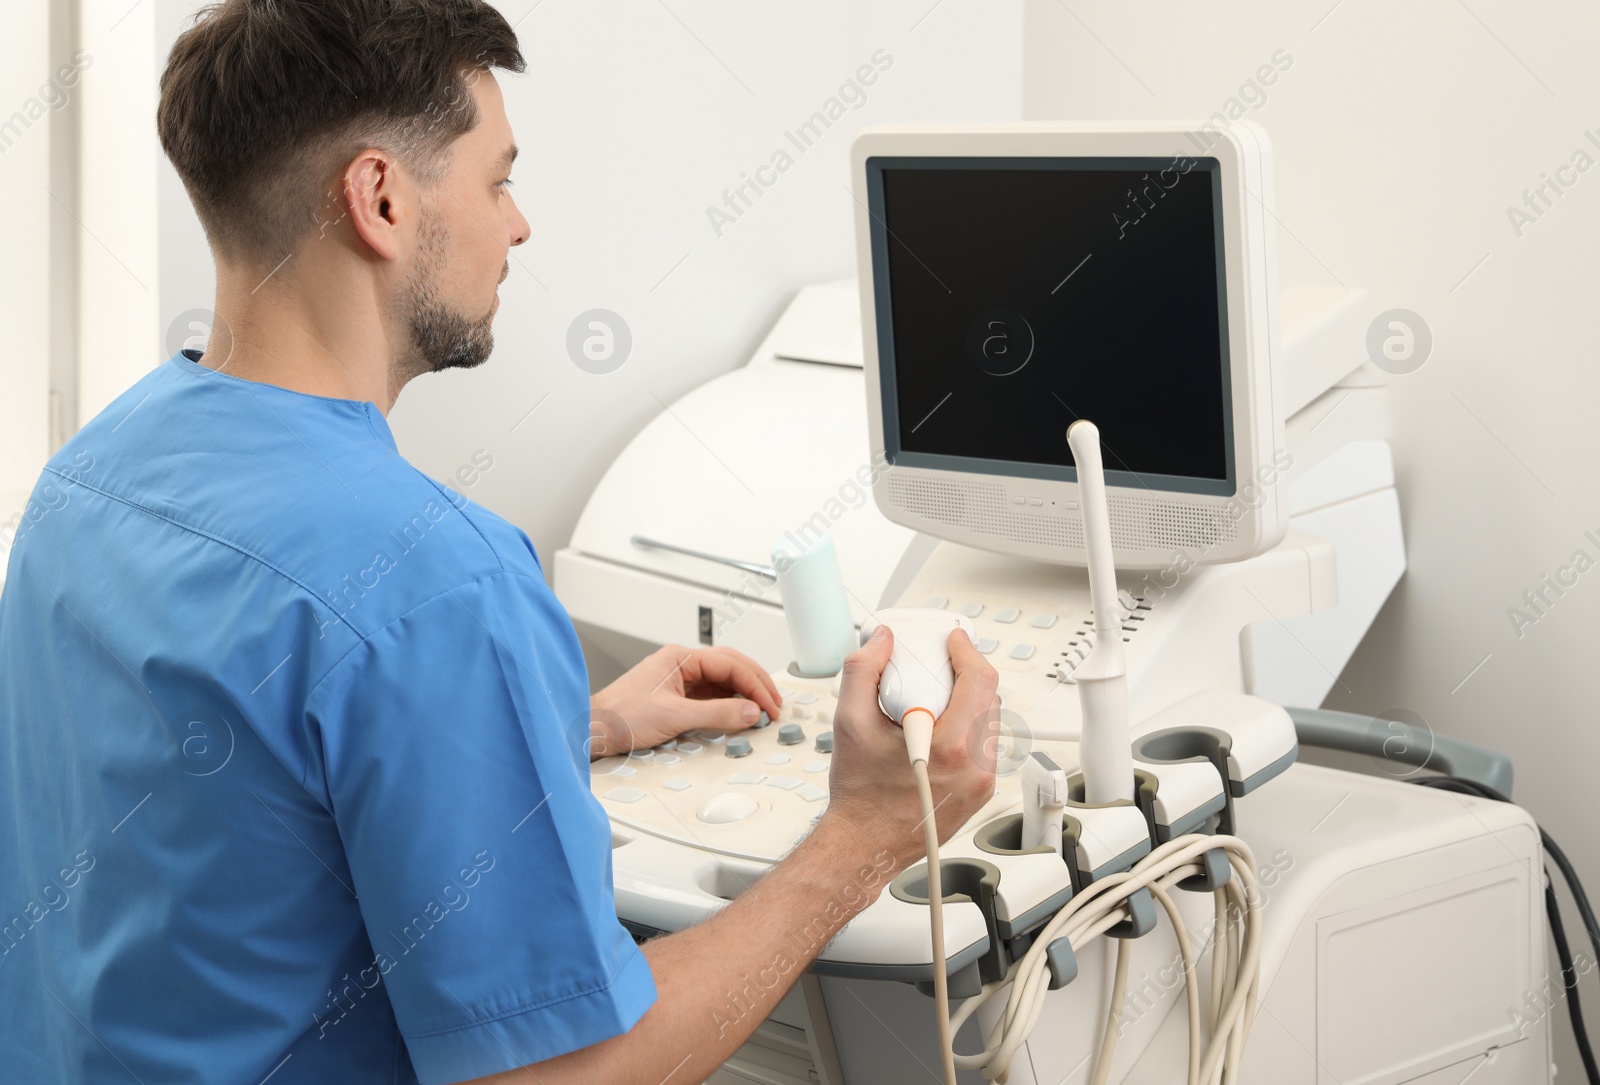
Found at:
[1018, 278]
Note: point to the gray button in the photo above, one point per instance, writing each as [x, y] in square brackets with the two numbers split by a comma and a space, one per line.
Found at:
[1022, 651]
[1043, 620]
[763, 720]
[689, 749]
[1007, 615]
[738, 747]
[971, 610]
[669, 744]
[712, 739]
[642, 755]
[791, 734]
[986, 645]
[668, 759]
[825, 742]
[625, 794]
[937, 602]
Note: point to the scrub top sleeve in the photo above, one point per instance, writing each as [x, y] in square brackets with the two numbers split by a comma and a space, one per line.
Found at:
[481, 862]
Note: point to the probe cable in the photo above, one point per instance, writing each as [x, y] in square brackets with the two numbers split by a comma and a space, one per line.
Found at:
[1235, 961]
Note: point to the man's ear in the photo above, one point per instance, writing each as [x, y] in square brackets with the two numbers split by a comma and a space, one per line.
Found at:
[379, 208]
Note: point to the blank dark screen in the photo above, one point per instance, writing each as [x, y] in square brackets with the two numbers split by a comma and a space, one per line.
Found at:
[1023, 298]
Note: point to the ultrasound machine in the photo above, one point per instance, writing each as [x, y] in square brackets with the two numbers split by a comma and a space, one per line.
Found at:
[1165, 888]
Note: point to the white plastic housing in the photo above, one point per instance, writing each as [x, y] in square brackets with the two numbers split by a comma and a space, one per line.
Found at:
[1148, 526]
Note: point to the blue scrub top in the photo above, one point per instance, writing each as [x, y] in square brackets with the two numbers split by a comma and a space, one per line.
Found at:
[292, 769]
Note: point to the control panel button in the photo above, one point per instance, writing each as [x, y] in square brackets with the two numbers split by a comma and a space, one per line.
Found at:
[971, 610]
[1043, 620]
[824, 718]
[777, 759]
[763, 720]
[690, 749]
[669, 744]
[641, 755]
[623, 770]
[1125, 597]
[986, 645]
[738, 747]
[811, 792]
[746, 777]
[805, 698]
[791, 734]
[799, 714]
[825, 742]
[677, 783]
[819, 765]
[937, 602]
[788, 783]
[730, 806]
[1022, 651]
[668, 759]
[625, 794]
[1007, 615]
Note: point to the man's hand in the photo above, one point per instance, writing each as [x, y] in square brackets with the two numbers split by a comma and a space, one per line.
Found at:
[873, 795]
[679, 689]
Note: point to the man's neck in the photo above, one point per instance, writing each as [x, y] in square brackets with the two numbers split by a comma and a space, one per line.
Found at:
[292, 332]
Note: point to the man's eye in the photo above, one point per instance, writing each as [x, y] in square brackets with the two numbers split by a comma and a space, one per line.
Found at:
[503, 185]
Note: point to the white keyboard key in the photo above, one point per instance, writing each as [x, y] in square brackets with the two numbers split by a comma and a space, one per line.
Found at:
[788, 783]
[625, 794]
[819, 765]
[805, 698]
[677, 783]
[986, 645]
[746, 777]
[1007, 615]
[971, 610]
[1044, 620]
[777, 759]
[937, 602]
[690, 749]
[668, 759]
[1022, 651]
[811, 793]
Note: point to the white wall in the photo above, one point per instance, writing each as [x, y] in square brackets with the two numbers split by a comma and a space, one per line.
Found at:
[633, 119]
[1402, 133]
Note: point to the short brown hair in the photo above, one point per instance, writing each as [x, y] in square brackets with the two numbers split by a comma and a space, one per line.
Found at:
[261, 98]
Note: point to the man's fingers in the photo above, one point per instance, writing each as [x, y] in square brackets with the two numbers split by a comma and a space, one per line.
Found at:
[760, 671]
[858, 684]
[736, 672]
[726, 714]
[975, 686]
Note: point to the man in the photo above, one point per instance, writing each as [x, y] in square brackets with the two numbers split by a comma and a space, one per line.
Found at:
[292, 769]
